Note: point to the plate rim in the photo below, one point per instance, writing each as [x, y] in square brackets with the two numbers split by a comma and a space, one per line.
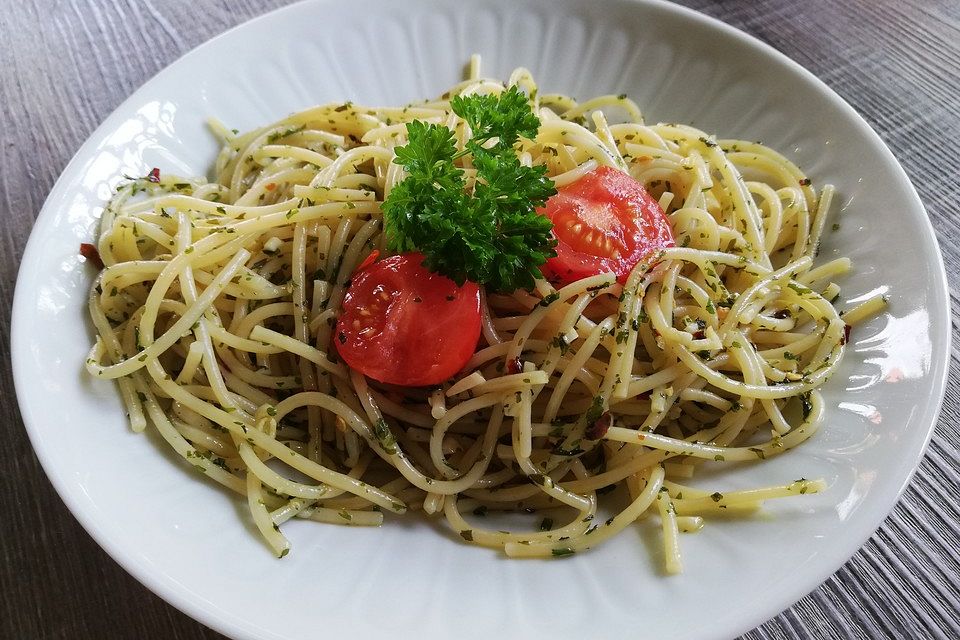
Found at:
[167, 588]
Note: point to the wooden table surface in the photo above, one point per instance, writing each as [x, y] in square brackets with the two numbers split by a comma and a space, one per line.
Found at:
[65, 65]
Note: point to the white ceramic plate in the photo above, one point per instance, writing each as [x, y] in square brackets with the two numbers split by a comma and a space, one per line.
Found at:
[190, 542]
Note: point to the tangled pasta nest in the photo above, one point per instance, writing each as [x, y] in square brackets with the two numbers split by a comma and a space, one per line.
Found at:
[217, 303]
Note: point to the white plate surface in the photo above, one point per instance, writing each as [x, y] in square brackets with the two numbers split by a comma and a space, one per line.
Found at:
[191, 543]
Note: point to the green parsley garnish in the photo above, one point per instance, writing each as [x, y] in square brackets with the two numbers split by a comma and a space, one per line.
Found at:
[493, 236]
[385, 437]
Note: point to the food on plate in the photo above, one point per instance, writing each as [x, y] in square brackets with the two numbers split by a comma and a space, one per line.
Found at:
[401, 324]
[604, 222]
[497, 305]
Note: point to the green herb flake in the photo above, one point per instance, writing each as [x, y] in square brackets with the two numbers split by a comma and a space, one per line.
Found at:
[550, 299]
[807, 405]
[595, 411]
[560, 342]
[800, 290]
[385, 437]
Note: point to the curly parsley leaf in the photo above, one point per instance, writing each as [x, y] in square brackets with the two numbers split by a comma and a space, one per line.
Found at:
[506, 117]
[426, 155]
[493, 236]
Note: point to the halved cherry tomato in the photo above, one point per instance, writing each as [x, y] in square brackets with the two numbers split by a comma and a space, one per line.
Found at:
[605, 221]
[404, 325]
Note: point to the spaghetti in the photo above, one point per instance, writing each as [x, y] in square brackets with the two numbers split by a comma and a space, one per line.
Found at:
[216, 307]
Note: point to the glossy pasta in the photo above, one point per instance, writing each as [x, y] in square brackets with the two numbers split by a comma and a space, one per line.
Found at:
[217, 303]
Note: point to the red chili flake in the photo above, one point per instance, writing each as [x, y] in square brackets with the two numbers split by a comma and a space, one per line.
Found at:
[154, 175]
[369, 260]
[514, 366]
[271, 186]
[846, 334]
[699, 335]
[599, 428]
[90, 252]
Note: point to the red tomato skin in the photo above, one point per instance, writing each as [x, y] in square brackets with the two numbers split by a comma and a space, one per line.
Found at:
[404, 325]
[643, 229]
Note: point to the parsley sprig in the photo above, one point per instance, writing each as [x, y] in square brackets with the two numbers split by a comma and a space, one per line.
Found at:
[493, 236]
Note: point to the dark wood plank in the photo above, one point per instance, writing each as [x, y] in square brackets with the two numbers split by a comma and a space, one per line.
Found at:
[65, 64]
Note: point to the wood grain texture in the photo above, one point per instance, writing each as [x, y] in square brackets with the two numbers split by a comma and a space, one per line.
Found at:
[65, 64]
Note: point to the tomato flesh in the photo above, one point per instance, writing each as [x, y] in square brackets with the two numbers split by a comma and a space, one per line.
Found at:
[405, 325]
[604, 222]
